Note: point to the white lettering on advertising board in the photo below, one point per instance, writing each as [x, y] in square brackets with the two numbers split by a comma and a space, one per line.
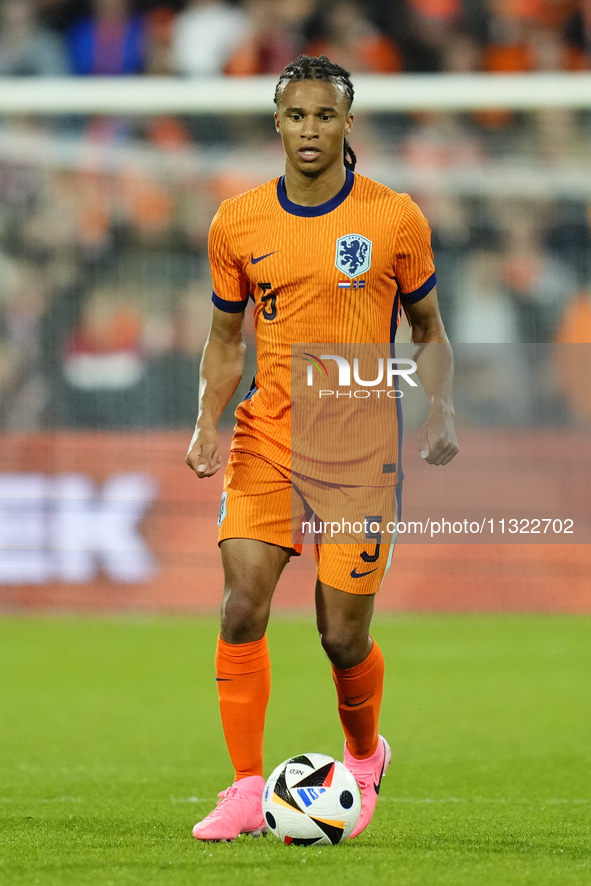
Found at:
[68, 528]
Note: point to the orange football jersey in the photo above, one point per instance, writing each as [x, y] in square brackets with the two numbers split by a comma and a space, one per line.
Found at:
[338, 272]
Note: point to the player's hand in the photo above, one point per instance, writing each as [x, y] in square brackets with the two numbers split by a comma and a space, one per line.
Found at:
[203, 456]
[437, 439]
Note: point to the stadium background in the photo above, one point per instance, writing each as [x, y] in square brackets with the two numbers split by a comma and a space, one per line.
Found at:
[105, 289]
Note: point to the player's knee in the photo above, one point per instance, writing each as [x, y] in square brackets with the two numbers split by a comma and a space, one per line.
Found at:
[345, 649]
[244, 619]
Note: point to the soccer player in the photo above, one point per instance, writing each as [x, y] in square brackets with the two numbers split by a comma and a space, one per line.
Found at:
[276, 246]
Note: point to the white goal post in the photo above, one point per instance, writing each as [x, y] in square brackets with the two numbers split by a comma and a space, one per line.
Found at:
[240, 95]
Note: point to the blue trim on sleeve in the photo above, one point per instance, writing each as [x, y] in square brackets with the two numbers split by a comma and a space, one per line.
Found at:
[394, 319]
[409, 298]
[230, 307]
[323, 208]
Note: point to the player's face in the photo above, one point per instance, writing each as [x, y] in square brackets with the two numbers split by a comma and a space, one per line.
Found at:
[313, 119]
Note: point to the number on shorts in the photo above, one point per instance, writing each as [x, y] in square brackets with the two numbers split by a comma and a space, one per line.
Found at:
[373, 536]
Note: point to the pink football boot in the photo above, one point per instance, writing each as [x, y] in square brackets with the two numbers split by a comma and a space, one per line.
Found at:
[238, 812]
[368, 774]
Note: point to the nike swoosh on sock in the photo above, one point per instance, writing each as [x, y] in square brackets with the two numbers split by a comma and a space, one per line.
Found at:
[357, 704]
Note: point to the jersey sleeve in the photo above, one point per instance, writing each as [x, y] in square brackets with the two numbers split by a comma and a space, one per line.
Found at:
[414, 268]
[230, 287]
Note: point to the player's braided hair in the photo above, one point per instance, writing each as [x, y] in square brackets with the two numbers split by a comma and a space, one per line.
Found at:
[308, 67]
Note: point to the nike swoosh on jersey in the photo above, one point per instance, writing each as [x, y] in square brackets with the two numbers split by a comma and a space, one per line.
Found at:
[356, 574]
[357, 704]
[255, 261]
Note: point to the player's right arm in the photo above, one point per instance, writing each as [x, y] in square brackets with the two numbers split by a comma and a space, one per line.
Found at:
[220, 373]
[222, 363]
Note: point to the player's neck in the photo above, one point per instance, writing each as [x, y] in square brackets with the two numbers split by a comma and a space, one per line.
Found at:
[306, 191]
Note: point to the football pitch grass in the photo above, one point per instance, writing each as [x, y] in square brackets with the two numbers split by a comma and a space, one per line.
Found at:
[111, 749]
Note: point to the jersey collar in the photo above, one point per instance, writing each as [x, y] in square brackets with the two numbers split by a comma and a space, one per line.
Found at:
[323, 208]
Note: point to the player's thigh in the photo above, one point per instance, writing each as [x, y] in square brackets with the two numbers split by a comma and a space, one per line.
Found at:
[255, 541]
[252, 568]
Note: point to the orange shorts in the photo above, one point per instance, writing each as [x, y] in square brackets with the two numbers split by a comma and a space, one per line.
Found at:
[267, 502]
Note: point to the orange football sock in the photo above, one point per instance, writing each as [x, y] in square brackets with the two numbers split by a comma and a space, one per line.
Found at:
[243, 674]
[359, 691]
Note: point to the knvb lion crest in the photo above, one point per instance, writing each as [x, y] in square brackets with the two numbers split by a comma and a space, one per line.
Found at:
[353, 255]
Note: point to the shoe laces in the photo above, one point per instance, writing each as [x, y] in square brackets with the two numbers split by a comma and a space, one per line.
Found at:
[230, 793]
[364, 779]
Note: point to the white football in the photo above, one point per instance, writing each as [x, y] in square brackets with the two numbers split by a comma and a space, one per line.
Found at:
[311, 800]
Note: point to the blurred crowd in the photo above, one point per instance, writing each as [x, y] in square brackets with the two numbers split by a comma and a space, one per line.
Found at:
[104, 285]
[212, 37]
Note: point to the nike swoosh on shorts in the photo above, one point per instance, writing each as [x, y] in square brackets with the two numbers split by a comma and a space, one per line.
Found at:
[255, 261]
[356, 574]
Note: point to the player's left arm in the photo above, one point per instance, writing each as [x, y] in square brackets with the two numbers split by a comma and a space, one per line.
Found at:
[437, 437]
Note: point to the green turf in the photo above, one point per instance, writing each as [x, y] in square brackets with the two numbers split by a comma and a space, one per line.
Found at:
[111, 748]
